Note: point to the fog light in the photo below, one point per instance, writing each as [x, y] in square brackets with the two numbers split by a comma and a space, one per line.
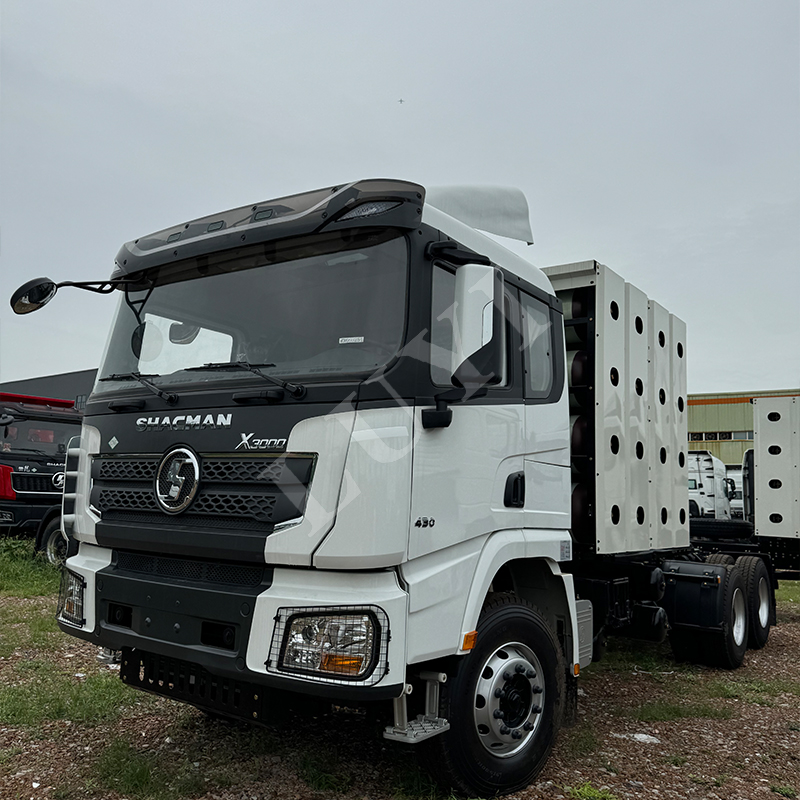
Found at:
[70, 599]
[6, 516]
[331, 643]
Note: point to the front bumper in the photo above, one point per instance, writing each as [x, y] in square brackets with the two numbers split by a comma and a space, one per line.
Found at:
[179, 617]
[24, 515]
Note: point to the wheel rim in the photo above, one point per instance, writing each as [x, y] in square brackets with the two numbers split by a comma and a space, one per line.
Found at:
[763, 602]
[56, 550]
[509, 699]
[739, 617]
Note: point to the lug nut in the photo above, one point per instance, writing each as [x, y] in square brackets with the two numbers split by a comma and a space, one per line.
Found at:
[530, 673]
[498, 714]
[528, 726]
[536, 689]
[519, 668]
[536, 710]
[499, 692]
[507, 676]
[516, 734]
[505, 731]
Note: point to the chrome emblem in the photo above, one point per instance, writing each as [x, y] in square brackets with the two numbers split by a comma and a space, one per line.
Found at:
[177, 480]
[58, 480]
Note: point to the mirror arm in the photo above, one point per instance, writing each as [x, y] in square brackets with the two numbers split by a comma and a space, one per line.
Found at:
[453, 254]
[100, 287]
[442, 415]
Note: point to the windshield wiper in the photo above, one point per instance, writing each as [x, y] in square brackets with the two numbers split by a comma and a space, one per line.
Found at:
[168, 397]
[296, 390]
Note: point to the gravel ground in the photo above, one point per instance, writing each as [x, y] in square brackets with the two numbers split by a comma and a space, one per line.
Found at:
[630, 742]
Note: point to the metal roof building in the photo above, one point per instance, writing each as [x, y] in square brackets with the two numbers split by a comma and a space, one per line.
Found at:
[723, 423]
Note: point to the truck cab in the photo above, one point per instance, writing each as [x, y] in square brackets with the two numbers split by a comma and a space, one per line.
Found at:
[710, 488]
[34, 435]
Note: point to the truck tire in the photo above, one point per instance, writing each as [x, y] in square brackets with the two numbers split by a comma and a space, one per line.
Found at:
[726, 648]
[52, 543]
[512, 681]
[720, 558]
[758, 591]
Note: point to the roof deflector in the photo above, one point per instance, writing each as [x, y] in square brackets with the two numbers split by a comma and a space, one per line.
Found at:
[501, 210]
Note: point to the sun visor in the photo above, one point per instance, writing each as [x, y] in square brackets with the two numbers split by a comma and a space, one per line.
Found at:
[500, 210]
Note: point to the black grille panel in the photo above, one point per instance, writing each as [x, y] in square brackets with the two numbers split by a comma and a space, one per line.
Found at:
[26, 482]
[190, 570]
[233, 493]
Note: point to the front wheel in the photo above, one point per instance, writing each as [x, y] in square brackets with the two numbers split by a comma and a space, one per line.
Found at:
[53, 543]
[504, 704]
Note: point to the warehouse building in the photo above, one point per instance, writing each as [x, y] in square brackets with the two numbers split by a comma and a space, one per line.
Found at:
[723, 423]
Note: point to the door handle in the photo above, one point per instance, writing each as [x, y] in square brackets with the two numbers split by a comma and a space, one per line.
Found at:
[514, 496]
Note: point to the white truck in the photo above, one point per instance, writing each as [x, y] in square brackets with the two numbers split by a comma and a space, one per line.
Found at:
[343, 444]
[734, 472]
[710, 489]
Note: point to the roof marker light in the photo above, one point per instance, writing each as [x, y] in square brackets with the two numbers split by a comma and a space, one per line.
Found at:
[370, 209]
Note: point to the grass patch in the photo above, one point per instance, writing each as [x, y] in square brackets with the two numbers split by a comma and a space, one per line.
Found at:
[759, 692]
[323, 772]
[582, 740]
[783, 791]
[676, 761]
[666, 712]
[48, 694]
[788, 592]
[629, 655]
[587, 792]
[31, 627]
[24, 573]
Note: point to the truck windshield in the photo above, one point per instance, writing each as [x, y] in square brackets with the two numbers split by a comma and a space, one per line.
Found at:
[313, 307]
[24, 437]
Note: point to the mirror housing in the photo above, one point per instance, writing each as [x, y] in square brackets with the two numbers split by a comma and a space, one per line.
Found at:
[478, 329]
[183, 332]
[31, 296]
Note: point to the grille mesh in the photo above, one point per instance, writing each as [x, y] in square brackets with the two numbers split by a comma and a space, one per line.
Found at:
[190, 569]
[25, 482]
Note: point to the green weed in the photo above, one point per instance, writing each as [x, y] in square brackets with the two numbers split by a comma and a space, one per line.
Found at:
[582, 740]
[587, 792]
[23, 573]
[676, 761]
[788, 592]
[784, 791]
[323, 774]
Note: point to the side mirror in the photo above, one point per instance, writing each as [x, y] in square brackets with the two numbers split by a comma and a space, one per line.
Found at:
[31, 296]
[479, 333]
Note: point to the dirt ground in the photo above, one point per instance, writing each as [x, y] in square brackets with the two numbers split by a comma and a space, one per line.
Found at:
[647, 728]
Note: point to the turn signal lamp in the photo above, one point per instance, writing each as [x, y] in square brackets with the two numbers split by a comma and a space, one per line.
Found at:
[70, 599]
[469, 640]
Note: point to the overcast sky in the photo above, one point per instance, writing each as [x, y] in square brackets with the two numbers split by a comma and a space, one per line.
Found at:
[662, 139]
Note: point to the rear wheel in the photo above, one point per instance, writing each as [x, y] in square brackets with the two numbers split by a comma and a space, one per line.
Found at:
[504, 704]
[726, 648]
[720, 558]
[53, 543]
[758, 594]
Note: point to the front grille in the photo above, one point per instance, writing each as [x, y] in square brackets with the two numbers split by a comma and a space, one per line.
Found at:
[189, 569]
[244, 493]
[26, 482]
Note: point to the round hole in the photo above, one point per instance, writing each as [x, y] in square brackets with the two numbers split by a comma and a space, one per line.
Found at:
[680, 350]
[681, 460]
[480, 701]
[663, 455]
[662, 397]
[773, 416]
[614, 375]
[615, 515]
[662, 340]
[614, 309]
[664, 516]
[683, 516]
[640, 515]
[639, 325]
[614, 445]
[487, 673]
[639, 387]
[483, 730]
[639, 450]
[774, 450]
[776, 518]
[680, 404]
[775, 484]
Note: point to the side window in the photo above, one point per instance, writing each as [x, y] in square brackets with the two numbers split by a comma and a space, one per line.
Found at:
[537, 332]
[442, 327]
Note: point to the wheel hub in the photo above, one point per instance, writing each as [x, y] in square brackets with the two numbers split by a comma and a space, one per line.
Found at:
[508, 699]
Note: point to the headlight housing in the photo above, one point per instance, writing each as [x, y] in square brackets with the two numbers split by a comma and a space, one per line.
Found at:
[340, 644]
[70, 599]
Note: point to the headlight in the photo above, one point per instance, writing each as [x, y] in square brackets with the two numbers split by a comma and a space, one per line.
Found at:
[70, 599]
[333, 644]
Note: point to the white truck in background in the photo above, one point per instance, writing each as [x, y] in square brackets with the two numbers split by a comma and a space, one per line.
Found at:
[710, 489]
[343, 444]
[734, 472]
